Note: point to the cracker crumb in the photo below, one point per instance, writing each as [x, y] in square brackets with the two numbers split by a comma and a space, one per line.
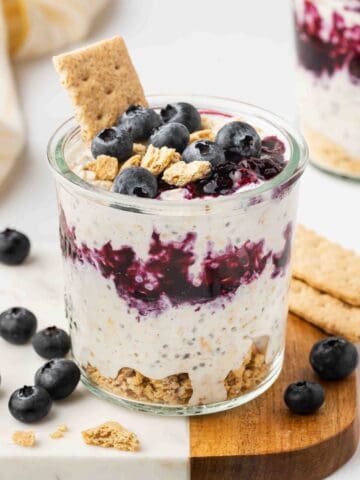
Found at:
[156, 160]
[133, 161]
[111, 435]
[24, 438]
[101, 82]
[206, 134]
[105, 167]
[181, 173]
[59, 433]
[139, 149]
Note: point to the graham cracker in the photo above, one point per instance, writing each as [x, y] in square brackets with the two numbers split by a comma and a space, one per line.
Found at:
[102, 83]
[111, 435]
[327, 266]
[326, 312]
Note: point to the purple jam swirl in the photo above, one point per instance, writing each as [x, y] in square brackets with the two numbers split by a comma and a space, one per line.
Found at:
[340, 49]
[164, 279]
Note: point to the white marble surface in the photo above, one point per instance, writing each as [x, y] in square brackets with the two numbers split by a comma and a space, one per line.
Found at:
[230, 48]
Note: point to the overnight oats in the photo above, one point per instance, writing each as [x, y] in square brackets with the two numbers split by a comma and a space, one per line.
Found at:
[176, 250]
[328, 52]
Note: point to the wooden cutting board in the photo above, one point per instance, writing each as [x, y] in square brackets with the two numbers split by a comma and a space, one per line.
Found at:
[262, 440]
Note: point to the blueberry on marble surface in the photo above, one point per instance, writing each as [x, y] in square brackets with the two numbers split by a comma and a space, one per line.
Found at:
[172, 135]
[52, 342]
[136, 181]
[204, 150]
[17, 325]
[139, 122]
[304, 397]
[59, 377]
[182, 112]
[240, 138]
[334, 358]
[30, 404]
[113, 142]
[14, 247]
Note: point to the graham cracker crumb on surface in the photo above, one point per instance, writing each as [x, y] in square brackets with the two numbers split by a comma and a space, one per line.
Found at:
[105, 167]
[206, 134]
[133, 161]
[59, 433]
[102, 83]
[111, 435]
[181, 173]
[156, 160]
[139, 149]
[129, 383]
[24, 438]
[251, 372]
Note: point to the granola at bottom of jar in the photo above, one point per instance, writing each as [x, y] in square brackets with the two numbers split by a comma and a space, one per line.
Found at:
[177, 389]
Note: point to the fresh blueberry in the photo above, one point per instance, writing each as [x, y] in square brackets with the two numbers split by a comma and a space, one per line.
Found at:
[333, 358]
[30, 404]
[204, 150]
[184, 113]
[172, 135]
[139, 122]
[59, 377]
[114, 142]
[17, 325]
[136, 181]
[51, 342]
[14, 247]
[304, 397]
[240, 138]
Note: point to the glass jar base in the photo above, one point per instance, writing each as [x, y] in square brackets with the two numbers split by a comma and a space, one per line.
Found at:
[190, 410]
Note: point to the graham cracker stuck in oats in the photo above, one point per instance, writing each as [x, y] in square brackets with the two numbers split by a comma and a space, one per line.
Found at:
[105, 167]
[326, 266]
[180, 174]
[326, 312]
[111, 435]
[102, 83]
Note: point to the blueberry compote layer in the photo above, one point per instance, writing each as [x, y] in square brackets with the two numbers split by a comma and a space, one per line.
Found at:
[163, 279]
[327, 47]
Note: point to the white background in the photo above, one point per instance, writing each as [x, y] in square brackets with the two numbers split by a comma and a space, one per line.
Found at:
[241, 49]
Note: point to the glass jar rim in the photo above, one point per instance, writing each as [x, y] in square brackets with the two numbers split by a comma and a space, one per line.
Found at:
[239, 200]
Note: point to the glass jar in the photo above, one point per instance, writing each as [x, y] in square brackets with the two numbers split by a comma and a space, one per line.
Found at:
[179, 307]
[327, 34]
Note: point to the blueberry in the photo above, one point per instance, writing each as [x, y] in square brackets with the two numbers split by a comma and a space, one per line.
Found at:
[184, 113]
[136, 181]
[304, 397]
[51, 342]
[17, 325]
[30, 404]
[240, 138]
[14, 247]
[59, 377]
[172, 135]
[113, 142]
[333, 358]
[139, 122]
[204, 150]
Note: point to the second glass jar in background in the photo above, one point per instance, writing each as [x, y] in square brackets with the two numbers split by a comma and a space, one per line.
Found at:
[328, 52]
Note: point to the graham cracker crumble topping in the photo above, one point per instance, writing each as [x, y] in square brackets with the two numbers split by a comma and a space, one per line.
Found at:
[59, 433]
[181, 173]
[156, 160]
[133, 161]
[206, 134]
[111, 435]
[105, 167]
[24, 439]
[139, 149]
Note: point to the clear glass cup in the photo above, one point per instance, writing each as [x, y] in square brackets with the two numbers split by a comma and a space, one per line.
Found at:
[178, 307]
[327, 35]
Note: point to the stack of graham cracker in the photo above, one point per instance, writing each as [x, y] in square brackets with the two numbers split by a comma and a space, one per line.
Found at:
[325, 288]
